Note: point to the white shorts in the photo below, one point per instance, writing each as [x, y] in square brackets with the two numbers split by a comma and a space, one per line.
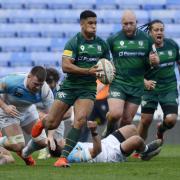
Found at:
[26, 117]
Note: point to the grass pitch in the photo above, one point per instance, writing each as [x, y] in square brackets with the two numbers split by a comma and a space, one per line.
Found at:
[166, 166]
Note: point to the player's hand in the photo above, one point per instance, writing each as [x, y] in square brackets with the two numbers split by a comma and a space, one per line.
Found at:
[149, 84]
[51, 144]
[92, 125]
[11, 110]
[95, 71]
[154, 59]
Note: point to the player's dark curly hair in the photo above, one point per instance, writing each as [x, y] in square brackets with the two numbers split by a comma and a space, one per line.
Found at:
[52, 75]
[86, 14]
[148, 26]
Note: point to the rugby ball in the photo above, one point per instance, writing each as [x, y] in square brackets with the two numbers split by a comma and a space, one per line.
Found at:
[106, 76]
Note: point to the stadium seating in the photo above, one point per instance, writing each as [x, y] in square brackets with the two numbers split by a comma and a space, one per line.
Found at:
[35, 31]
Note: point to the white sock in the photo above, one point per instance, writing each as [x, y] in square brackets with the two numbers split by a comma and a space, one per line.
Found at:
[30, 148]
[3, 140]
[146, 148]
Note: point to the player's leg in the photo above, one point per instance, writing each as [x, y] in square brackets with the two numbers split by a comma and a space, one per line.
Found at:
[116, 107]
[5, 156]
[53, 119]
[169, 106]
[132, 141]
[13, 138]
[148, 106]
[129, 112]
[144, 123]
[82, 109]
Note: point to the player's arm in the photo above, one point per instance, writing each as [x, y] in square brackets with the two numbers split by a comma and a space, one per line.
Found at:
[8, 109]
[92, 125]
[68, 66]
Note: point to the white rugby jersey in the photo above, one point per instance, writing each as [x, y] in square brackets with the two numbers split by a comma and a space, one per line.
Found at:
[110, 152]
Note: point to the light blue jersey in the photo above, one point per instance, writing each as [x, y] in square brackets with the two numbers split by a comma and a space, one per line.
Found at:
[15, 92]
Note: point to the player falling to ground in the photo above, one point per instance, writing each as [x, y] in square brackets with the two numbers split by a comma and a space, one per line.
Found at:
[19, 94]
[130, 50]
[116, 147]
[164, 91]
[80, 56]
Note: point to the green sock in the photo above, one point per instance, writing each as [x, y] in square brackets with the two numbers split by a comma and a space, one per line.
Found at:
[71, 141]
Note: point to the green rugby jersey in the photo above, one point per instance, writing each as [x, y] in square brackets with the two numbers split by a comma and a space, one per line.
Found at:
[130, 57]
[85, 54]
[164, 74]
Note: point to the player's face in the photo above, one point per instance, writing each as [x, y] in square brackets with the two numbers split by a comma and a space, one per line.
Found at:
[33, 84]
[88, 26]
[129, 26]
[157, 32]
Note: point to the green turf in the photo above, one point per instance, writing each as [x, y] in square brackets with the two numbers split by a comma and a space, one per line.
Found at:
[163, 167]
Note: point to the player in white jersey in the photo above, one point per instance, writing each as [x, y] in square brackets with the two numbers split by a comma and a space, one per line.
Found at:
[114, 148]
[17, 110]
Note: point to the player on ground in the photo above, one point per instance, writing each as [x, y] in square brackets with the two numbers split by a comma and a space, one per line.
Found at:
[164, 91]
[19, 94]
[80, 56]
[114, 148]
[130, 50]
[5, 156]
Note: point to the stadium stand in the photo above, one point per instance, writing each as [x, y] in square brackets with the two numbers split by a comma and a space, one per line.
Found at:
[35, 31]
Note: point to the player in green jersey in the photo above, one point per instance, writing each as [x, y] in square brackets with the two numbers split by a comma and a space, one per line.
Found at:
[81, 54]
[130, 50]
[164, 91]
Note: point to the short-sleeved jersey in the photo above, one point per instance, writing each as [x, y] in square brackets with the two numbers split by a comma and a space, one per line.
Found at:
[130, 57]
[85, 54]
[164, 74]
[110, 151]
[14, 90]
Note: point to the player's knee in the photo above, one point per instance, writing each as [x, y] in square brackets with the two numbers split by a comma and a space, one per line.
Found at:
[138, 141]
[170, 120]
[113, 115]
[52, 122]
[79, 122]
[146, 121]
[17, 142]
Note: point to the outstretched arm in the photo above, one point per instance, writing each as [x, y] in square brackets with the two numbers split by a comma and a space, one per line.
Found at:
[95, 138]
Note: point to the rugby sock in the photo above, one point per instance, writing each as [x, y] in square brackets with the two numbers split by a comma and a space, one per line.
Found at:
[3, 140]
[163, 127]
[30, 148]
[71, 141]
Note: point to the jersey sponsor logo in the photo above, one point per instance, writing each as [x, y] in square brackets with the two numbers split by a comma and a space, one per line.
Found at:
[166, 64]
[133, 54]
[143, 103]
[82, 48]
[115, 94]
[99, 48]
[67, 53]
[122, 43]
[170, 53]
[61, 94]
[141, 43]
[87, 59]
[18, 92]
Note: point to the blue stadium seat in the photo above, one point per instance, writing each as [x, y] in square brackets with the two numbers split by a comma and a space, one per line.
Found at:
[106, 4]
[46, 58]
[128, 4]
[167, 16]
[11, 4]
[5, 59]
[57, 44]
[103, 31]
[79, 4]
[173, 4]
[153, 4]
[177, 17]
[59, 4]
[172, 30]
[20, 59]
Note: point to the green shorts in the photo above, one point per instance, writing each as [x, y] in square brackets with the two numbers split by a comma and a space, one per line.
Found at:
[120, 94]
[70, 96]
[151, 99]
